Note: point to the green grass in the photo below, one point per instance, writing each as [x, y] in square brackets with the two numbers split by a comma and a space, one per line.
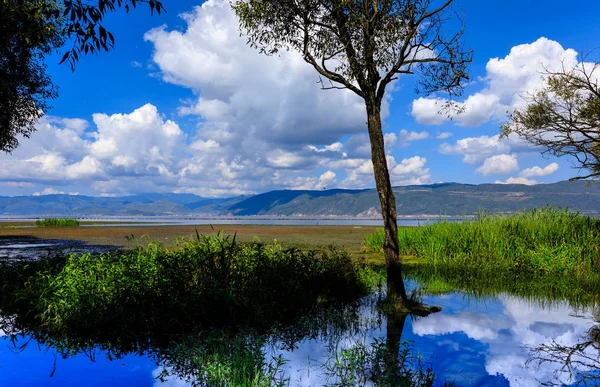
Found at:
[208, 281]
[57, 222]
[556, 248]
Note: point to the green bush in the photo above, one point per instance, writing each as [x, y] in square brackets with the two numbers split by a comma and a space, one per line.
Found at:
[57, 222]
[210, 281]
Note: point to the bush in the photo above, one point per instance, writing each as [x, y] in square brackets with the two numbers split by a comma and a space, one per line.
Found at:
[57, 222]
[209, 281]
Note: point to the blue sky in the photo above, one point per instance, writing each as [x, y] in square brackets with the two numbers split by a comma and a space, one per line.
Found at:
[183, 105]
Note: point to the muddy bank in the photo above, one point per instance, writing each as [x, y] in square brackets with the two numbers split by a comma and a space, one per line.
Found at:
[32, 248]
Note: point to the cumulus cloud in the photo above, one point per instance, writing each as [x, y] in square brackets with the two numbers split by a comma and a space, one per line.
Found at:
[48, 191]
[279, 104]
[390, 140]
[517, 180]
[499, 165]
[271, 130]
[475, 149]
[538, 171]
[262, 130]
[407, 137]
[121, 147]
[408, 172]
[505, 82]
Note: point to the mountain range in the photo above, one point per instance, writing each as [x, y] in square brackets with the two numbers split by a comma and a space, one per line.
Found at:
[435, 199]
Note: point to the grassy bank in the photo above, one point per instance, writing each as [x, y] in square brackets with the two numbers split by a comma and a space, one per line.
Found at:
[548, 245]
[207, 281]
[57, 222]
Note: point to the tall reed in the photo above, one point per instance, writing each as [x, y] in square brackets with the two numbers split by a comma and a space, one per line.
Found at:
[537, 243]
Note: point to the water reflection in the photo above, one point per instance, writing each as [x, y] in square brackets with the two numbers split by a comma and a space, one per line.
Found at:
[497, 341]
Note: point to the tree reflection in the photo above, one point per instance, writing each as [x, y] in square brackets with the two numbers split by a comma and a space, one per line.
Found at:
[578, 364]
[251, 357]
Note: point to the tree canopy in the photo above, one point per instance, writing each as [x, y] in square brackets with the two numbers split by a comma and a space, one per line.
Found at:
[362, 44]
[563, 117]
[30, 30]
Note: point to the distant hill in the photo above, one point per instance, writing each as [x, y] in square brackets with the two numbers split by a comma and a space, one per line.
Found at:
[435, 199]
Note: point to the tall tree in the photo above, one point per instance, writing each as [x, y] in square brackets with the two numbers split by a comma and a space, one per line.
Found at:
[363, 46]
[563, 117]
[30, 30]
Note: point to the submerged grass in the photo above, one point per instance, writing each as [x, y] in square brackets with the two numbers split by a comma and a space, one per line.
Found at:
[57, 222]
[207, 281]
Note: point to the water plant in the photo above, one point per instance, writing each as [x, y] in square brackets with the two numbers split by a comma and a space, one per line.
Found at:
[549, 252]
[207, 281]
[57, 222]
[539, 242]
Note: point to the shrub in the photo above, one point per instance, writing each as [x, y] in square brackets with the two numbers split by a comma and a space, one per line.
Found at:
[209, 281]
[57, 222]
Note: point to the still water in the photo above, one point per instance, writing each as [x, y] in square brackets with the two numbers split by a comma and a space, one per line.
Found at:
[473, 342]
[256, 220]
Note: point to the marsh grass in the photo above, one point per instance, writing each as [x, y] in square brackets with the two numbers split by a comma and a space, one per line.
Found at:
[57, 222]
[207, 281]
[537, 243]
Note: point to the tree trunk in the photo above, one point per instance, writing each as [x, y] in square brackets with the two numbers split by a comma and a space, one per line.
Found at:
[395, 284]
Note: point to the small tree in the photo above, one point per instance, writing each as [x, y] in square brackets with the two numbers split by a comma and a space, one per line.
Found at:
[563, 117]
[29, 31]
[364, 45]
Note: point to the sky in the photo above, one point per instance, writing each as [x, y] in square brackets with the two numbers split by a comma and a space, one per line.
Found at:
[183, 105]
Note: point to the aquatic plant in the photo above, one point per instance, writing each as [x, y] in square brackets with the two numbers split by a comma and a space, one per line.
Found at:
[57, 222]
[207, 281]
[535, 243]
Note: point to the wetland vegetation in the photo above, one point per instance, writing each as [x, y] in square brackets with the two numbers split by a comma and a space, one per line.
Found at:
[207, 281]
[57, 222]
[217, 312]
[551, 252]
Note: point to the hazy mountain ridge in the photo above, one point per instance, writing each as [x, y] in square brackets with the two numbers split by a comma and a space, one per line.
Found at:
[435, 199]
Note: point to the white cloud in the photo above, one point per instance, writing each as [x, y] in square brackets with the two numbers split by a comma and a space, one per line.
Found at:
[413, 165]
[390, 139]
[517, 180]
[505, 82]
[443, 135]
[276, 126]
[409, 171]
[280, 103]
[407, 137]
[499, 165]
[538, 171]
[475, 149]
[428, 111]
[141, 142]
[48, 191]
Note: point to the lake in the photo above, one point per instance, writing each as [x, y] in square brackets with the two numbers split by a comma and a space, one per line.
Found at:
[255, 220]
[473, 342]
